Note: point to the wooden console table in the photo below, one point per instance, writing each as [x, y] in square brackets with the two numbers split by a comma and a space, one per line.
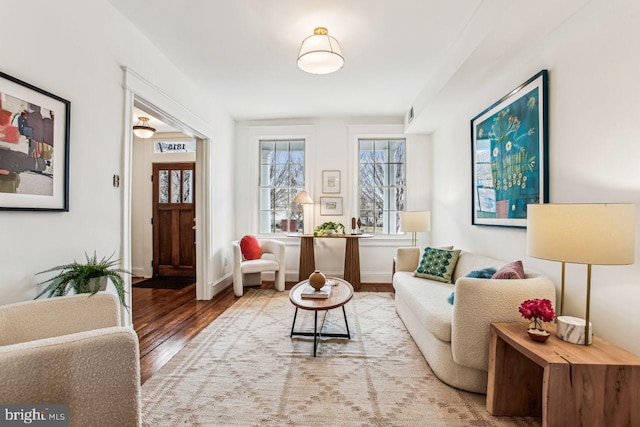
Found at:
[351, 256]
[566, 384]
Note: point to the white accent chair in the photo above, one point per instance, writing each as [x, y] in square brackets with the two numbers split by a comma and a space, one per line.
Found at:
[248, 272]
[71, 350]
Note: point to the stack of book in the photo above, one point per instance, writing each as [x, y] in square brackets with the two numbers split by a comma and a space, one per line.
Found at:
[309, 292]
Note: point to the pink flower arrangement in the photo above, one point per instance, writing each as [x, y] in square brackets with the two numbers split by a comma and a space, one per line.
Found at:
[537, 311]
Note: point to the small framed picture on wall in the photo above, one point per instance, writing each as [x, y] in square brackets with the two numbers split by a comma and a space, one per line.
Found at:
[331, 182]
[331, 206]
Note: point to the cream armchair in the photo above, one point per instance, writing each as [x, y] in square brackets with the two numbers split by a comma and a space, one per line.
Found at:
[71, 350]
[248, 272]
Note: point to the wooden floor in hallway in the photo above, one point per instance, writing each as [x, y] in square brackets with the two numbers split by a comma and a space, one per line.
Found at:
[167, 319]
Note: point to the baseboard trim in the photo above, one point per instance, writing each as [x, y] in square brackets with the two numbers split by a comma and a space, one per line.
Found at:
[221, 284]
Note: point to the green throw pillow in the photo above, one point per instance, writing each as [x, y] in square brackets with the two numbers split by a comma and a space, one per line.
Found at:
[437, 264]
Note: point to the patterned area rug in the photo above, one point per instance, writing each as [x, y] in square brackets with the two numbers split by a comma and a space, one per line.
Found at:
[245, 370]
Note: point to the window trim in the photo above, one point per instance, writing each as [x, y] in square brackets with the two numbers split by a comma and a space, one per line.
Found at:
[357, 132]
[387, 185]
[259, 166]
[257, 133]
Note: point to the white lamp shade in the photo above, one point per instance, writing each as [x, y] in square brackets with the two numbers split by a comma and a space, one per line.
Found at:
[600, 234]
[303, 198]
[320, 53]
[414, 221]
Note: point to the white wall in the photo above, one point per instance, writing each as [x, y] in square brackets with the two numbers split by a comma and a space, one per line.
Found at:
[142, 196]
[594, 150]
[80, 60]
[331, 145]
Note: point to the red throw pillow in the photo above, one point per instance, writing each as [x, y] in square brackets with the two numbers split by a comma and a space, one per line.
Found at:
[513, 270]
[250, 247]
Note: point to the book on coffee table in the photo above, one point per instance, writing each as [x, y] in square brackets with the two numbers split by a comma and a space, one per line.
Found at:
[309, 292]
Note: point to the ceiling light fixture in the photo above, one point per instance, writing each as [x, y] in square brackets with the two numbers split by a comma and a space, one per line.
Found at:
[142, 128]
[320, 53]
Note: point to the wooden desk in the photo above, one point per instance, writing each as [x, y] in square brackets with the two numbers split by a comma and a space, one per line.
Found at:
[566, 384]
[351, 256]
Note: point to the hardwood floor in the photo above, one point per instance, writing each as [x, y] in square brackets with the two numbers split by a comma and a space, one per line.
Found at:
[166, 320]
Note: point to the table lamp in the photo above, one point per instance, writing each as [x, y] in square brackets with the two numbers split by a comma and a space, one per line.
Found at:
[600, 234]
[303, 198]
[415, 221]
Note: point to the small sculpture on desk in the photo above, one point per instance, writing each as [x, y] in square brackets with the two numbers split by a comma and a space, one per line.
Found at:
[353, 226]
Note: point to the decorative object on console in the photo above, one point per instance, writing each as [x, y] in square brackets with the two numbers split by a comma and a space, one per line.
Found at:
[414, 222]
[509, 144]
[303, 198]
[537, 311]
[142, 128]
[86, 278]
[34, 135]
[355, 226]
[328, 228]
[317, 279]
[250, 247]
[331, 182]
[602, 234]
[331, 206]
[437, 264]
[320, 53]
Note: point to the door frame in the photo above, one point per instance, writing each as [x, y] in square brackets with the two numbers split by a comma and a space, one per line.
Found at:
[149, 98]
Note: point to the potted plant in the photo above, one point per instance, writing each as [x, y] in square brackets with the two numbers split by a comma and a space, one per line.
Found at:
[82, 278]
[329, 227]
[537, 311]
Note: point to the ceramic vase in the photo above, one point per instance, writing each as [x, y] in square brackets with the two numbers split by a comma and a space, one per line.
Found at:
[317, 280]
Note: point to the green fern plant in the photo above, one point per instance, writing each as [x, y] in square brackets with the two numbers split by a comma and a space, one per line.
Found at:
[78, 277]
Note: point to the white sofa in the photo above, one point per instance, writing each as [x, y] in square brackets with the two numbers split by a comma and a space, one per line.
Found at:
[454, 339]
[71, 350]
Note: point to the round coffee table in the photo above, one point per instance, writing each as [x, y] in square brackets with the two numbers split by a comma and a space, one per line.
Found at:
[341, 294]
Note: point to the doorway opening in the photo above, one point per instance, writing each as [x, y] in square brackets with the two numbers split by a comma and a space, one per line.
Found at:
[165, 234]
[142, 98]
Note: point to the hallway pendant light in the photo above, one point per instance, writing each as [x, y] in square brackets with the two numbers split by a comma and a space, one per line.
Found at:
[142, 128]
[320, 53]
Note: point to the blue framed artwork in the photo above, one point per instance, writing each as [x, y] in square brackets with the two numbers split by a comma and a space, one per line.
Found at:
[509, 145]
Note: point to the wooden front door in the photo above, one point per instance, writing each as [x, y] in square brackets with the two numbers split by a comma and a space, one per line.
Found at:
[174, 236]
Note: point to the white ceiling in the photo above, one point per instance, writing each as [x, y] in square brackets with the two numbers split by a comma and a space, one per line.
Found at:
[243, 52]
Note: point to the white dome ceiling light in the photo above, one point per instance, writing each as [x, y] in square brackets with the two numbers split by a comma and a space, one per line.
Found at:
[142, 128]
[320, 53]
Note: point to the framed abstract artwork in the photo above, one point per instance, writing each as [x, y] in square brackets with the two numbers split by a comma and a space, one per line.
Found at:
[331, 206]
[34, 147]
[509, 146]
[330, 182]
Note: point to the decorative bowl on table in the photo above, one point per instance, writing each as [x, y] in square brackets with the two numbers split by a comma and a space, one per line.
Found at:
[538, 335]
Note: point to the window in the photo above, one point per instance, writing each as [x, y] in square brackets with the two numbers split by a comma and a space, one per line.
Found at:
[281, 178]
[381, 184]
